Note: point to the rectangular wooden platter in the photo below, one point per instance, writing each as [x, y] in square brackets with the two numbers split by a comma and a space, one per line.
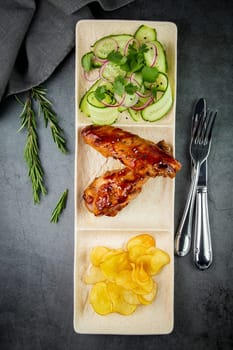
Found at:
[152, 211]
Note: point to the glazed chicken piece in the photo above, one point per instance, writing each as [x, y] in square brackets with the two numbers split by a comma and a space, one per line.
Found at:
[113, 191]
[142, 156]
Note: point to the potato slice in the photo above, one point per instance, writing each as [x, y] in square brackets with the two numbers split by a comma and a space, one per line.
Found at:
[114, 264]
[118, 301]
[124, 279]
[147, 299]
[94, 275]
[97, 255]
[136, 252]
[100, 299]
[130, 297]
[143, 239]
[143, 280]
[159, 259]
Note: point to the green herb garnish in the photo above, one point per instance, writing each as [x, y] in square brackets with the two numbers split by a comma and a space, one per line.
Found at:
[100, 92]
[61, 205]
[31, 150]
[50, 117]
[154, 91]
[135, 57]
[131, 89]
[150, 74]
[119, 85]
[116, 57]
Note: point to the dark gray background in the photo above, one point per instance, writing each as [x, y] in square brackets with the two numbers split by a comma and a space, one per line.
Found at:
[36, 257]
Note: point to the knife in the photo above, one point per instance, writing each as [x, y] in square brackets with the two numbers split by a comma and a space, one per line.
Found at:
[184, 231]
[202, 239]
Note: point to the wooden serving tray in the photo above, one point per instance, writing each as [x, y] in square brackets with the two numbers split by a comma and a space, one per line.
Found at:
[152, 211]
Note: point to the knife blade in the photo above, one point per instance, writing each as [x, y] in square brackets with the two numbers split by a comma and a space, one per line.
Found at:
[184, 231]
[202, 246]
[202, 180]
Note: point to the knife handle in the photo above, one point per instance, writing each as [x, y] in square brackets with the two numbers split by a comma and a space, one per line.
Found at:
[202, 238]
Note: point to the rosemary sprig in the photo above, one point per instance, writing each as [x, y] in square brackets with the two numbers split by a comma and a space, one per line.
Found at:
[50, 117]
[31, 150]
[61, 204]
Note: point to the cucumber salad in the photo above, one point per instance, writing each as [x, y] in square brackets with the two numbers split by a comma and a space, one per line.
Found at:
[128, 73]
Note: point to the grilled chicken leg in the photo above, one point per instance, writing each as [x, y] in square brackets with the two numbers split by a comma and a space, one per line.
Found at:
[142, 156]
[113, 191]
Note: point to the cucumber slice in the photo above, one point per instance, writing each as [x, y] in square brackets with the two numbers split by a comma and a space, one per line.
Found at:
[122, 109]
[160, 62]
[122, 41]
[86, 61]
[159, 108]
[161, 82]
[92, 100]
[135, 115]
[103, 116]
[145, 34]
[137, 78]
[83, 105]
[105, 45]
[111, 71]
[130, 100]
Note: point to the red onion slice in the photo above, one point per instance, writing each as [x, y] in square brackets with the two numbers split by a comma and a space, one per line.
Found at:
[155, 54]
[115, 105]
[147, 103]
[92, 75]
[102, 71]
[130, 41]
[142, 95]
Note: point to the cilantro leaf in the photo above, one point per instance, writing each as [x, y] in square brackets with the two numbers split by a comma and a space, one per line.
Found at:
[100, 92]
[119, 85]
[150, 74]
[116, 57]
[143, 48]
[131, 88]
[125, 67]
[135, 57]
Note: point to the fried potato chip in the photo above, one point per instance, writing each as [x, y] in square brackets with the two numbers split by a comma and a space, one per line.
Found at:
[130, 297]
[124, 279]
[143, 239]
[100, 299]
[94, 275]
[112, 265]
[97, 255]
[143, 280]
[118, 302]
[159, 259]
[147, 299]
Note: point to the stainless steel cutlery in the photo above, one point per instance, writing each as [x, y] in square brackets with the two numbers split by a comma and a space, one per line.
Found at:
[202, 125]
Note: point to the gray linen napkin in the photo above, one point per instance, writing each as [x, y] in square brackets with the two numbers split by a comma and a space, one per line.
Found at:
[36, 35]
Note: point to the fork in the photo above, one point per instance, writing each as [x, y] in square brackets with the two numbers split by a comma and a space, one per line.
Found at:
[199, 151]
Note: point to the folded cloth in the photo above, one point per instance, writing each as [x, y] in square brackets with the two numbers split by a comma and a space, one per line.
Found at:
[36, 35]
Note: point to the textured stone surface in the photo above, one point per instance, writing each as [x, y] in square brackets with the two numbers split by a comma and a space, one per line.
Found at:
[36, 257]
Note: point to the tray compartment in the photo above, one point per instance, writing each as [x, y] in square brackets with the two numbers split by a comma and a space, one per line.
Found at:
[158, 315]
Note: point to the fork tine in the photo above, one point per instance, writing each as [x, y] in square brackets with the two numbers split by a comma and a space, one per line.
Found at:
[209, 127]
[205, 125]
[199, 128]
